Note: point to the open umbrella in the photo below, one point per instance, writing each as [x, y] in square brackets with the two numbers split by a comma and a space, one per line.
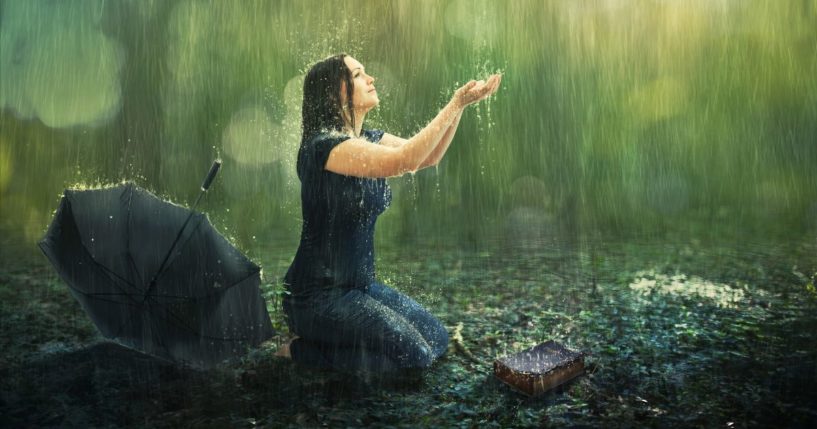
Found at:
[156, 276]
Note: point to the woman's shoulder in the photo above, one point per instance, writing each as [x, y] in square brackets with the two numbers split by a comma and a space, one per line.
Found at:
[372, 135]
[324, 136]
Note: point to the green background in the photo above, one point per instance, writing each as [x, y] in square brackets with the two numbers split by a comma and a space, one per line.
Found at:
[613, 117]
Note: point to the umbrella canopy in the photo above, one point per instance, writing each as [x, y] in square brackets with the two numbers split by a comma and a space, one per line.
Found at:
[156, 276]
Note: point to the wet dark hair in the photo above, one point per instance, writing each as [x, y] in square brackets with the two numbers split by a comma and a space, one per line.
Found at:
[322, 106]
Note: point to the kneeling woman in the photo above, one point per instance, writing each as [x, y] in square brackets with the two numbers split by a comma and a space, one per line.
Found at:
[343, 318]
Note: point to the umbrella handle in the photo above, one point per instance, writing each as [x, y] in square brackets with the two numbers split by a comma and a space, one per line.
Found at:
[207, 181]
[211, 175]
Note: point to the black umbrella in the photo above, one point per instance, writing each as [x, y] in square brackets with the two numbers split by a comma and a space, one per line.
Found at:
[156, 276]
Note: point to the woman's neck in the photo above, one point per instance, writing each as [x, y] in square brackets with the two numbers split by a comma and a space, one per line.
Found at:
[347, 128]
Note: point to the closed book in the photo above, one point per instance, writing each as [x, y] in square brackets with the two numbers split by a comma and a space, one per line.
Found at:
[538, 369]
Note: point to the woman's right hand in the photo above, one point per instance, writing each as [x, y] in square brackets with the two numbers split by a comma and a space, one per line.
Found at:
[475, 91]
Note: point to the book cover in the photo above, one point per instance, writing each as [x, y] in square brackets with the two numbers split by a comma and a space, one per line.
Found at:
[538, 369]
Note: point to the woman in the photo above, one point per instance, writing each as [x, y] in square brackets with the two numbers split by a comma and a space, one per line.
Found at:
[343, 318]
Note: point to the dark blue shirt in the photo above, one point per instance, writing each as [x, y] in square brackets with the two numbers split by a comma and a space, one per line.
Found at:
[339, 213]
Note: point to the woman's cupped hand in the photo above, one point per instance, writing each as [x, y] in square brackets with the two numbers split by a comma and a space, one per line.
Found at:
[475, 91]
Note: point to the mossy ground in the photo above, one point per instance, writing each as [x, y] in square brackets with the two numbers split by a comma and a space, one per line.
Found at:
[687, 334]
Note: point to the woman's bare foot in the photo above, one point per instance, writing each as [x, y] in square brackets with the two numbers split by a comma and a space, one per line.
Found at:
[283, 351]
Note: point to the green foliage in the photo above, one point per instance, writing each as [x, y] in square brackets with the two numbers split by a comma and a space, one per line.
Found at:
[671, 345]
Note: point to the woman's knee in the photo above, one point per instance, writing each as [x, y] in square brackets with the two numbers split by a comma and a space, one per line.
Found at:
[439, 339]
[435, 334]
[405, 345]
[419, 355]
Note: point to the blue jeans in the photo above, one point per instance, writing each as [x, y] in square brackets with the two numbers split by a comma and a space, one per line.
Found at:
[376, 329]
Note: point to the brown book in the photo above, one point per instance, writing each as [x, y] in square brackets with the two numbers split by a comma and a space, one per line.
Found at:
[538, 369]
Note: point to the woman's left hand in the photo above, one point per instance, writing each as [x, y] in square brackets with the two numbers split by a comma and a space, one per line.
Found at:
[482, 90]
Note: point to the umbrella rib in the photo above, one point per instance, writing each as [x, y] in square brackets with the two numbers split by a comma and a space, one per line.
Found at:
[178, 321]
[185, 326]
[242, 280]
[122, 327]
[112, 272]
[134, 304]
[162, 267]
[224, 288]
[181, 246]
[134, 295]
[134, 268]
[127, 243]
[108, 272]
[129, 321]
[220, 290]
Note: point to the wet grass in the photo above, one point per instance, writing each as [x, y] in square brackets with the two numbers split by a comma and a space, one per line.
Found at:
[688, 334]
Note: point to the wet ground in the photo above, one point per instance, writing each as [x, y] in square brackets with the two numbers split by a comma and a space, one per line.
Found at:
[680, 333]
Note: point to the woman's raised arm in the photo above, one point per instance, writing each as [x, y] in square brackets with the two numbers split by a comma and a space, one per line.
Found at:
[357, 157]
[437, 155]
[438, 152]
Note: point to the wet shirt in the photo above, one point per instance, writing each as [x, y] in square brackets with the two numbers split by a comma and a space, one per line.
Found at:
[339, 214]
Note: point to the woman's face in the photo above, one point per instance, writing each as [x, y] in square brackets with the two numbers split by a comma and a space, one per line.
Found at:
[364, 96]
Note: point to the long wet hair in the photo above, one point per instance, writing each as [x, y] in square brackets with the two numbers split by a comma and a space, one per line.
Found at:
[322, 107]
